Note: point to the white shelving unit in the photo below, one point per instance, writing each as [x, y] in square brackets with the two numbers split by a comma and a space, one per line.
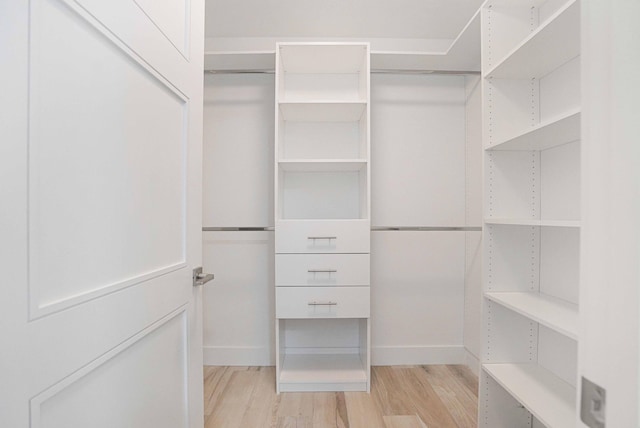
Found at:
[322, 216]
[531, 133]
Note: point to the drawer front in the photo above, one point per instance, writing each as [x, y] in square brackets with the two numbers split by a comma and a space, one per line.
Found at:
[322, 302]
[323, 236]
[322, 270]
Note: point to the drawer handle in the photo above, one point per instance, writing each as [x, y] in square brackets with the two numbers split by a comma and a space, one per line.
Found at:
[322, 237]
[314, 303]
[322, 271]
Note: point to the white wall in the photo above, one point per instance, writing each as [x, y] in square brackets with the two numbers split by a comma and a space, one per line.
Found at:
[239, 306]
[418, 179]
[238, 150]
[238, 192]
[473, 217]
[417, 150]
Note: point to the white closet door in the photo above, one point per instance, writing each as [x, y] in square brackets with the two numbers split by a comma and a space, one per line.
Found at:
[100, 218]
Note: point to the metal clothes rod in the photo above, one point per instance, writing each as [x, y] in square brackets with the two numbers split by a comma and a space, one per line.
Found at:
[373, 229]
[427, 228]
[238, 229]
[374, 71]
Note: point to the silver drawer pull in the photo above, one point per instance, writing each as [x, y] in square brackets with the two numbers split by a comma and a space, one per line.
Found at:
[314, 303]
[322, 271]
[322, 237]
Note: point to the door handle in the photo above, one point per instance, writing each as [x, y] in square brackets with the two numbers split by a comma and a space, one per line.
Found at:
[201, 278]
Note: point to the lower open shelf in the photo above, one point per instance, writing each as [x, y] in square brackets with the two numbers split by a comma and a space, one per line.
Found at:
[323, 372]
[548, 398]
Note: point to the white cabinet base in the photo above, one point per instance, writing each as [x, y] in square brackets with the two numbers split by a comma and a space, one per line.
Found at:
[323, 372]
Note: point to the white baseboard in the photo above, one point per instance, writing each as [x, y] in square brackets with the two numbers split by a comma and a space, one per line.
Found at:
[417, 355]
[472, 362]
[380, 356]
[238, 356]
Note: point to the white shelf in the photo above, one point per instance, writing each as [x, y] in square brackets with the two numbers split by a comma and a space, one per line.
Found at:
[323, 111]
[553, 133]
[532, 222]
[323, 372]
[553, 43]
[322, 165]
[462, 55]
[554, 313]
[551, 400]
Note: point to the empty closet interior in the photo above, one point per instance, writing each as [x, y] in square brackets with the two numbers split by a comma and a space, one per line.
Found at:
[438, 172]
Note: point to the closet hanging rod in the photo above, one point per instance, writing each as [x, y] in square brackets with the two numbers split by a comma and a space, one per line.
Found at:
[238, 229]
[426, 228]
[373, 229]
[373, 71]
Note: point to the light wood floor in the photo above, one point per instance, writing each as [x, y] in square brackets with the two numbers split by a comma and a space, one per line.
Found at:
[401, 397]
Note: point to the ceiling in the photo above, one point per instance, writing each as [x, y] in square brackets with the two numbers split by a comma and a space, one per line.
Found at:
[402, 19]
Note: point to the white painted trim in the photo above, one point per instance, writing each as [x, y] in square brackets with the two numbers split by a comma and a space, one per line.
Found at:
[472, 362]
[408, 355]
[238, 356]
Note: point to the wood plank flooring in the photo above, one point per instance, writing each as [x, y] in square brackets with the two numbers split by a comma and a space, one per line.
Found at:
[401, 397]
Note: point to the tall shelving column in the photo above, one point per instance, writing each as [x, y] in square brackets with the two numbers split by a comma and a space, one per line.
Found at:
[323, 217]
[531, 134]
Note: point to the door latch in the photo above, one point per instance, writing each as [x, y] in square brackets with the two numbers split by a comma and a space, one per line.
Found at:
[201, 278]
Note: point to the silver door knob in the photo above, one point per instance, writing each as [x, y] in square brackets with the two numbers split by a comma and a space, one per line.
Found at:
[201, 278]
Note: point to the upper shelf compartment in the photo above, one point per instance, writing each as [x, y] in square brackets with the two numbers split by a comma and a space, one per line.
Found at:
[540, 52]
[335, 58]
[322, 72]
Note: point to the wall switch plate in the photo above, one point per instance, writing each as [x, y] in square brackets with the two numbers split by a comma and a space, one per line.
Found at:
[592, 404]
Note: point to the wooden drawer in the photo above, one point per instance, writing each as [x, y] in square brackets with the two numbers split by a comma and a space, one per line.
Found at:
[322, 270]
[323, 236]
[322, 302]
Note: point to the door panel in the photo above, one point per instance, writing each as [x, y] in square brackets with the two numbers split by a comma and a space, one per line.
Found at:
[171, 19]
[101, 213]
[128, 372]
[107, 173]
